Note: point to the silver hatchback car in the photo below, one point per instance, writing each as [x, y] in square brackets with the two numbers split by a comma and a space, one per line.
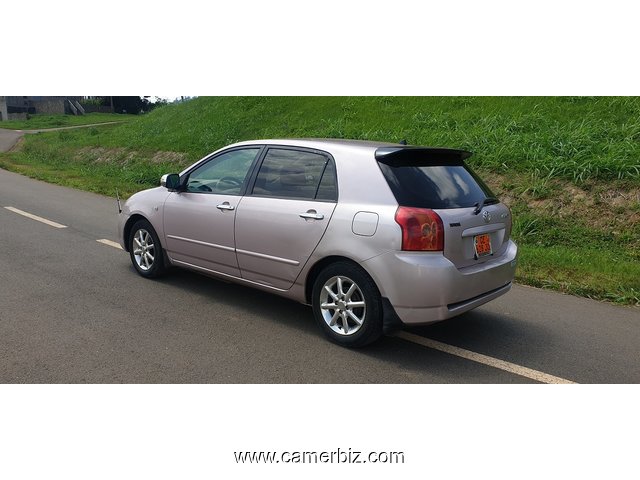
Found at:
[373, 235]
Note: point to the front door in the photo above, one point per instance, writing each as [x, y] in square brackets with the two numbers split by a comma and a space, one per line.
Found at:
[199, 221]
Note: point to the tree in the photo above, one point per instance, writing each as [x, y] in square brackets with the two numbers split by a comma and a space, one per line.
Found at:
[133, 105]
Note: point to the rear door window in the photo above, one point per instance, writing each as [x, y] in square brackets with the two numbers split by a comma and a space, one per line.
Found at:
[298, 174]
[450, 185]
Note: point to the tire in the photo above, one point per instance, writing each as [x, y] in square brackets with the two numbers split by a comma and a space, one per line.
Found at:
[355, 297]
[145, 250]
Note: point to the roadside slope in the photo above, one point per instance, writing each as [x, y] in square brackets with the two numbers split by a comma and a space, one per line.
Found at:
[569, 167]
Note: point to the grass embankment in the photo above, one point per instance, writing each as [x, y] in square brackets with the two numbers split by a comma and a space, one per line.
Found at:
[36, 122]
[568, 167]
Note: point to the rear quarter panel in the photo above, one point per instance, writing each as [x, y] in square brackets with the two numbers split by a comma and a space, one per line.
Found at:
[361, 188]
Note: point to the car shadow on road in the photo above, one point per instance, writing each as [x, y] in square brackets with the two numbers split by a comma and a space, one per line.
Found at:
[249, 300]
[480, 330]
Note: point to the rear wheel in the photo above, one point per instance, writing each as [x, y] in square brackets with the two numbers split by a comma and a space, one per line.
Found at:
[145, 250]
[347, 305]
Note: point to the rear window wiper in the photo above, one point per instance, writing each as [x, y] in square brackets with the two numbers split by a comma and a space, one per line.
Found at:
[485, 201]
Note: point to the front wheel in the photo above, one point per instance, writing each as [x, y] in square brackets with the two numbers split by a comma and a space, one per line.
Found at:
[347, 305]
[145, 250]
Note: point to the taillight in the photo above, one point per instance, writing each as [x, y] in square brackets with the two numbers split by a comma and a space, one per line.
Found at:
[422, 229]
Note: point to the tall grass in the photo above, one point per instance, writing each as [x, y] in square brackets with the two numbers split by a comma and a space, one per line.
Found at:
[564, 137]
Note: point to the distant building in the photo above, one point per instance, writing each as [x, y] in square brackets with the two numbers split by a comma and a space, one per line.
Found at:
[18, 107]
[4, 114]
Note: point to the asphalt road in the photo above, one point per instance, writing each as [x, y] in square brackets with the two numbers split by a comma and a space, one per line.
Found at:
[74, 310]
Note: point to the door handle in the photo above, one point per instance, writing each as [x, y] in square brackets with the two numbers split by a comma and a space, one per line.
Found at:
[312, 214]
[225, 206]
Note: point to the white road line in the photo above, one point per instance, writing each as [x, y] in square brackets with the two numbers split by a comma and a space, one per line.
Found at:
[104, 241]
[484, 359]
[36, 217]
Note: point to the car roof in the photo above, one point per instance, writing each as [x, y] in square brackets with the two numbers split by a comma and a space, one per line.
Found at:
[319, 143]
[380, 149]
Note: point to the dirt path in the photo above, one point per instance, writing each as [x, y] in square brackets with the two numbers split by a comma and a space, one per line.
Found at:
[9, 138]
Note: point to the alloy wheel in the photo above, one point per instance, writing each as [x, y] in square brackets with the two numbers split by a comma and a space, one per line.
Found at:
[143, 249]
[342, 305]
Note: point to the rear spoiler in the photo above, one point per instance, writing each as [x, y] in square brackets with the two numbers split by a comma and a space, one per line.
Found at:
[410, 155]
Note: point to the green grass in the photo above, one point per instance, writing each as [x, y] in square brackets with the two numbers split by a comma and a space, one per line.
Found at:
[573, 138]
[577, 257]
[601, 274]
[569, 167]
[37, 122]
[562, 137]
[48, 157]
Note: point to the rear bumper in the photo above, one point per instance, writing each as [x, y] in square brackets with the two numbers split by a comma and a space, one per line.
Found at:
[424, 288]
[426, 315]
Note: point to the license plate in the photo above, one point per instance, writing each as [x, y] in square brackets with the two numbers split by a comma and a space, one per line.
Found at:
[482, 245]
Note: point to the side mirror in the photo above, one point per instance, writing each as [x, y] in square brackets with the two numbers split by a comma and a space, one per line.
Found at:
[171, 181]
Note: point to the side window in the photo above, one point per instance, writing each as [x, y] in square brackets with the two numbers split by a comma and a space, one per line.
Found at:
[225, 174]
[290, 174]
[328, 188]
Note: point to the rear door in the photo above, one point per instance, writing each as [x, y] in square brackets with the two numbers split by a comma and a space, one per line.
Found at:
[476, 225]
[281, 220]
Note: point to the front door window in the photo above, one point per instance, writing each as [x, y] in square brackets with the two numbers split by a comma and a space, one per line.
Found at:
[224, 174]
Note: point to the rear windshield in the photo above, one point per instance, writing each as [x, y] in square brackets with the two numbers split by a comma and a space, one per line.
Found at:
[435, 186]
